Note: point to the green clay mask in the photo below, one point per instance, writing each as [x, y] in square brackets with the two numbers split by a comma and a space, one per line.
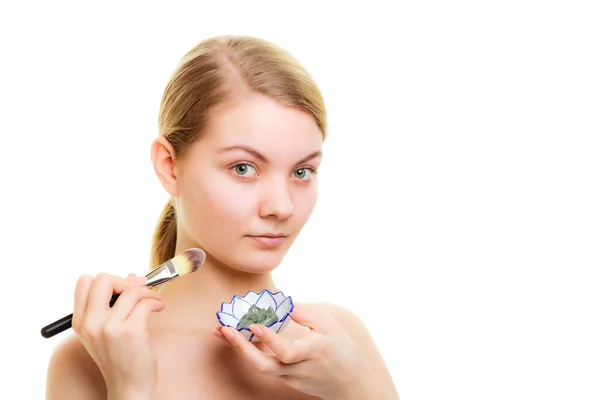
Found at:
[257, 315]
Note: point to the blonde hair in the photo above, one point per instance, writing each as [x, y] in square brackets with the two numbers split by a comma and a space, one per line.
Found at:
[210, 75]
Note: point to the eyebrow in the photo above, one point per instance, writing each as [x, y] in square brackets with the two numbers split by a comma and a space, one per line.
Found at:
[264, 159]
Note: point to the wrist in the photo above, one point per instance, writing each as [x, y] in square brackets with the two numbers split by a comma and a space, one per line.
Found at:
[130, 394]
[364, 387]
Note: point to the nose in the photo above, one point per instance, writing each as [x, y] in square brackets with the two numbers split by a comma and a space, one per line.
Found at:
[276, 201]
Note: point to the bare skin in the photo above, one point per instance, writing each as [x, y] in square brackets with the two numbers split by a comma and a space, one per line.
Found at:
[252, 175]
[196, 365]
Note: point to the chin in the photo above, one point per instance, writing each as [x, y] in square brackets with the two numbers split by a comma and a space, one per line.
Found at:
[255, 261]
[249, 258]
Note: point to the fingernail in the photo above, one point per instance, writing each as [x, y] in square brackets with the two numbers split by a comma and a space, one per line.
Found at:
[256, 330]
[228, 334]
[217, 333]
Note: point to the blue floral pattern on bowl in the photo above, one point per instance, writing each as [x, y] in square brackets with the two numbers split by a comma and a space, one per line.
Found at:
[232, 312]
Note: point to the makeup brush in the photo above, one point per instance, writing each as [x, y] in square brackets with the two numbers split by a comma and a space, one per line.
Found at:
[182, 264]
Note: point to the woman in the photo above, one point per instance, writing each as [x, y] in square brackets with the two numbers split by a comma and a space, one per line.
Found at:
[241, 127]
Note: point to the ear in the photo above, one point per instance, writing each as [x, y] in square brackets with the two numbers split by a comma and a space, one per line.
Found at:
[163, 160]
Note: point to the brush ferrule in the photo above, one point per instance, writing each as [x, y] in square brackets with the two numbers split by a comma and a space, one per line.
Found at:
[161, 274]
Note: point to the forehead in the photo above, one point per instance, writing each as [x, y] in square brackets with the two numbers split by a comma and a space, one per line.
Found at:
[268, 126]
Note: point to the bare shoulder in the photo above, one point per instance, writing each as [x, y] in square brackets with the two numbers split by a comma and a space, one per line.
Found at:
[356, 329]
[72, 373]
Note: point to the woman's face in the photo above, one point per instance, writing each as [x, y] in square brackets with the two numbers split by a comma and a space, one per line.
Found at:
[248, 186]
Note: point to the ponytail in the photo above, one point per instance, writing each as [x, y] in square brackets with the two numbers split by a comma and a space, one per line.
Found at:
[165, 237]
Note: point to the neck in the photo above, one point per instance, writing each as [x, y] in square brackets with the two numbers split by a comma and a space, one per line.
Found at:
[193, 300]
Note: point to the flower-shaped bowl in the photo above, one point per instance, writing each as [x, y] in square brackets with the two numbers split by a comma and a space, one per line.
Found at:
[231, 313]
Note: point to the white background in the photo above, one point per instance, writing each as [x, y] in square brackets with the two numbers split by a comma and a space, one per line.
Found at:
[459, 195]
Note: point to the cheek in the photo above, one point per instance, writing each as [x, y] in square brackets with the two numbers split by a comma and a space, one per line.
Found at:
[213, 205]
[226, 204]
[304, 204]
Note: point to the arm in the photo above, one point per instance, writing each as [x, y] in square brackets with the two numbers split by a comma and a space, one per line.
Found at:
[378, 383]
[73, 374]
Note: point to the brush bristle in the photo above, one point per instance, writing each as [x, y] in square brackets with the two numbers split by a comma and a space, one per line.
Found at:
[189, 261]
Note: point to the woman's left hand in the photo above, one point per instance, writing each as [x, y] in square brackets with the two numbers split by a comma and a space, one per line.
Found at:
[325, 363]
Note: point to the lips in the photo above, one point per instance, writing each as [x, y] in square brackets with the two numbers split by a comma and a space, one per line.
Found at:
[268, 240]
[269, 235]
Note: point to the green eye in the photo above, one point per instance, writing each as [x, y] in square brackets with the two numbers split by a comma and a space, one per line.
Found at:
[244, 169]
[303, 173]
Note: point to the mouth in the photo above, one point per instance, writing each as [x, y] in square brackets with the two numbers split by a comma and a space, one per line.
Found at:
[268, 240]
[270, 235]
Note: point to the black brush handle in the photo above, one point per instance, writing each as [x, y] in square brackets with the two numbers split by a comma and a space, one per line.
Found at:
[64, 323]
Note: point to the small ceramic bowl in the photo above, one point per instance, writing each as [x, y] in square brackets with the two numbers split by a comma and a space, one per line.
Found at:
[232, 312]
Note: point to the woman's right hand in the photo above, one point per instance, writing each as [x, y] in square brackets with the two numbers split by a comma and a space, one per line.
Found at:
[117, 338]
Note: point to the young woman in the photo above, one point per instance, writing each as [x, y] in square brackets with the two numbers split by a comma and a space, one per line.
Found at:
[241, 127]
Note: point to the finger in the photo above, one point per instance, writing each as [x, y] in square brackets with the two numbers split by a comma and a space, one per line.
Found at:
[80, 300]
[136, 280]
[141, 281]
[286, 351]
[139, 315]
[101, 291]
[219, 335]
[316, 320]
[128, 300]
[259, 360]
[259, 345]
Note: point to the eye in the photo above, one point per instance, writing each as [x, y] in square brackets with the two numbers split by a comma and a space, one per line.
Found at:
[303, 173]
[244, 170]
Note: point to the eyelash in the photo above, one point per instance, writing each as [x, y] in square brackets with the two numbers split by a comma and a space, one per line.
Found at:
[312, 170]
